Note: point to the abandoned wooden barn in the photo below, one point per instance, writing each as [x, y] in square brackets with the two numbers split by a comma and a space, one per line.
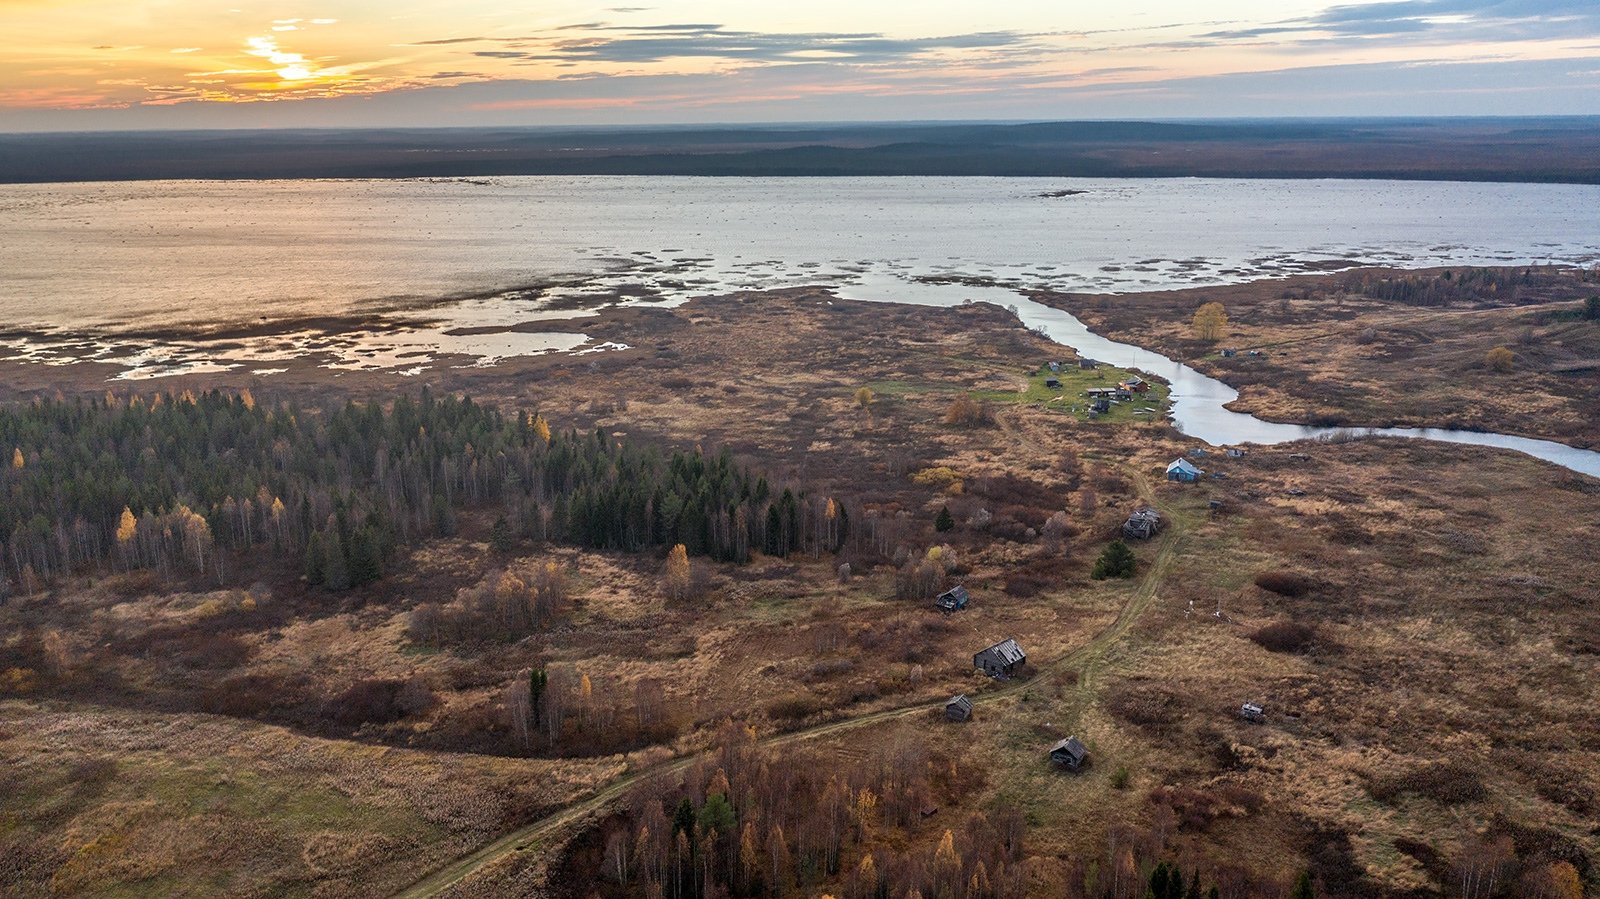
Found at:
[1001, 660]
[959, 708]
[1070, 754]
[953, 600]
[1142, 524]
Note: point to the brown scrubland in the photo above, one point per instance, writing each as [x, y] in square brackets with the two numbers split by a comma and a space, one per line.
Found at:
[499, 715]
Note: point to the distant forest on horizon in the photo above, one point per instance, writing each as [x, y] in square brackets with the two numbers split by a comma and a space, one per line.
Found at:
[1545, 149]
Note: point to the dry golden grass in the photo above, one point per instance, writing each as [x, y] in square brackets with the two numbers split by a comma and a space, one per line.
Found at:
[104, 801]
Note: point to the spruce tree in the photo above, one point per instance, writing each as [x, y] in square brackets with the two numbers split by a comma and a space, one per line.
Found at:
[944, 522]
[335, 566]
[1116, 561]
[366, 561]
[314, 574]
[500, 536]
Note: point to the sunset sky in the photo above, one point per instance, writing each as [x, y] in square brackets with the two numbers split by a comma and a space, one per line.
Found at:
[72, 64]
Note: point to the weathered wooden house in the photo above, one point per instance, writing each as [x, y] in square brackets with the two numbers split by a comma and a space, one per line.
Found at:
[1001, 660]
[1136, 385]
[959, 708]
[1142, 524]
[1070, 754]
[952, 600]
[1253, 713]
[1183, 470]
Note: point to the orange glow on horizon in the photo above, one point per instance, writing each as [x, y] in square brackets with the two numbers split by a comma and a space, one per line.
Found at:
[87, 54]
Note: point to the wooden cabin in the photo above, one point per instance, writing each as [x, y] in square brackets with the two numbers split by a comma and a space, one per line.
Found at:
[1001, 660]
[1183, 470]
[952, 600]
[1135, 385]
[959, 708]
[1070, 754]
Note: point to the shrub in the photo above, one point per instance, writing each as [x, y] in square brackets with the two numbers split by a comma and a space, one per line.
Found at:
[938, 476]
[1285, 583]
[1116, 561]
[1285, 636]
[1448, 783]
[370, 701]
[967, 412]
[1501, 359]
[1119, 779]
[793, 707]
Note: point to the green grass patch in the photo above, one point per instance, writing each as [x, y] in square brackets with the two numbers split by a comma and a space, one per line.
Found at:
[1072, 397]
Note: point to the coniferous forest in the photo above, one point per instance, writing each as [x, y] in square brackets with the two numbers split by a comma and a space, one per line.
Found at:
[178, 482]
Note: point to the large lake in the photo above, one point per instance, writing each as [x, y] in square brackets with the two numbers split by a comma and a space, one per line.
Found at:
[147, 253]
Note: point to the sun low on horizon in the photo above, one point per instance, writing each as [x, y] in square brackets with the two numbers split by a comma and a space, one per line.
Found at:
[94, 63]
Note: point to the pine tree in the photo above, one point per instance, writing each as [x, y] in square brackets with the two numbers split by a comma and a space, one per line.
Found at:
[945, 521]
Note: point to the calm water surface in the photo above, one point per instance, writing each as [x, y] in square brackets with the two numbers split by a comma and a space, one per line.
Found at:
[190, 253]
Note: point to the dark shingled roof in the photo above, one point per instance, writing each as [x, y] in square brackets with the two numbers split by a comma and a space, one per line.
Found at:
[1008, 651]
[1071, 746]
